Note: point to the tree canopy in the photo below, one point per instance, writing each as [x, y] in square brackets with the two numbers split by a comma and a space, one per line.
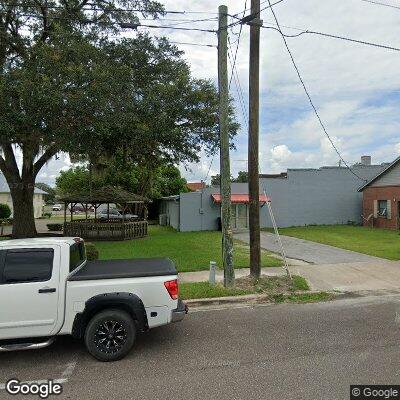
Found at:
[242, 177]
[65, 86]
[166, 181]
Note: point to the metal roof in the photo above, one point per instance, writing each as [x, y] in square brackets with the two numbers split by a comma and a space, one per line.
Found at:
[388, 168]
[4, 188]
[240, 198]
[106, 194]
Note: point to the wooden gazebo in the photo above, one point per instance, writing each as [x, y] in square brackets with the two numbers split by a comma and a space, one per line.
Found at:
[129, 223]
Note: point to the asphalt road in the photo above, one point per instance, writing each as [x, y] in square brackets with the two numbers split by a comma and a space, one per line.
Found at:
[312, 351]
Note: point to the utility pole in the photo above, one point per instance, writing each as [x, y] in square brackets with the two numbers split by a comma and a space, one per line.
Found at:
[254, 120]
[225, 170]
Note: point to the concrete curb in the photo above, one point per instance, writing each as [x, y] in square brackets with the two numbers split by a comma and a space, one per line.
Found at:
[246, 299]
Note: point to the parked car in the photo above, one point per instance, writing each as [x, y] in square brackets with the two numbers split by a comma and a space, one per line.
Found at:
[77, 209]
[116, 214]
[57, 207]
[51, 289]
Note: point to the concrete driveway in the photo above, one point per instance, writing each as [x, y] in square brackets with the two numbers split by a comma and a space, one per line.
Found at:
[311, 252]
[312, 351]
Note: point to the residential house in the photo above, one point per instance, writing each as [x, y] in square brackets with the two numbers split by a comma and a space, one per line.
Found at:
[381, 196]
[5, 197]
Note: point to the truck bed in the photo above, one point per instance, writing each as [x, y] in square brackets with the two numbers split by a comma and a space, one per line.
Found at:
[134, 268]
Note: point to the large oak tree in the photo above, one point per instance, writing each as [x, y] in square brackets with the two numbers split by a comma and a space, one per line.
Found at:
[45, 73]
[65, 87]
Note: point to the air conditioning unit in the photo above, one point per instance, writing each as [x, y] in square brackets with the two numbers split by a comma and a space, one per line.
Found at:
[162, 219]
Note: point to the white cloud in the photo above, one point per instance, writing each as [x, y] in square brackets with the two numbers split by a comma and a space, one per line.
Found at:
[355, 88]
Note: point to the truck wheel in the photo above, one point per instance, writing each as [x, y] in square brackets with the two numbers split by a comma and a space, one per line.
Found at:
[110, 335]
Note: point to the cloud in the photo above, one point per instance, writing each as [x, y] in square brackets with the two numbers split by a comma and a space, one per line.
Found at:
[356, 88]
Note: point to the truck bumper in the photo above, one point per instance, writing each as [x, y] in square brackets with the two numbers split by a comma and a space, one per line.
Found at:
[179, 313]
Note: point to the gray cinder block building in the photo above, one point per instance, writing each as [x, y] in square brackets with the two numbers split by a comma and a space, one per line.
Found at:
[322, 196]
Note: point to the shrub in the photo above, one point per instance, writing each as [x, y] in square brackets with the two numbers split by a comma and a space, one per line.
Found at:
[47, 214]
[54, 227]
[92, 253]
[5, 211]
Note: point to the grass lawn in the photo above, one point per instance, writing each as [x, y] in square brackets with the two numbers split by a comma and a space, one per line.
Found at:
[375, 242]
[191, 251]
[277, 289]
[274, 285]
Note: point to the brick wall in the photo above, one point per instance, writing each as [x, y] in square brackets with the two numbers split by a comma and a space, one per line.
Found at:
[391, 193]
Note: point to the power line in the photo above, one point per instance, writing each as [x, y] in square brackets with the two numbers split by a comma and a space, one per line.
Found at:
[194, 44]
[209, 168]
[329, 35]
[381, 4]
[142, 10]
[180, 22]
[245, 20]
[310, 100]
[172, 42]
[248, 9]
[121, 25]
[177, 28]
[237, 46]
[237, 84]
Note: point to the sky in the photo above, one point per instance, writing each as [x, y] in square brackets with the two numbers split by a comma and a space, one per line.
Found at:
[355, 88]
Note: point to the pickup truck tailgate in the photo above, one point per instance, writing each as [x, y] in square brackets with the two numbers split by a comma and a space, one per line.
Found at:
[116, 269]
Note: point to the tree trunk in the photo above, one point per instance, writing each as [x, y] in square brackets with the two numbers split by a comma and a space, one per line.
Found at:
[23, 211]
[22, 183]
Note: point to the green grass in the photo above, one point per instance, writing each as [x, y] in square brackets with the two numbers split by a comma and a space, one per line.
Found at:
[203, 290]
[276, 287]
[191, 251]
[300, 283]
[310, 297]
[375, 242]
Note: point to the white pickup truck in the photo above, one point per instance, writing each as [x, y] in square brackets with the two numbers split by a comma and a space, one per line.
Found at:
[48, 288]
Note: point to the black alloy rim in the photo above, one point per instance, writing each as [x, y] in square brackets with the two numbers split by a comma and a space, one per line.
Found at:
[110, 337]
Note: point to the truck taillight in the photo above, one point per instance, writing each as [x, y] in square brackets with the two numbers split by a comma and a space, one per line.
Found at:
[172, 288]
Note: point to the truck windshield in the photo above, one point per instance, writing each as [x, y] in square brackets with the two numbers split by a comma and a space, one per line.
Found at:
[77, 255]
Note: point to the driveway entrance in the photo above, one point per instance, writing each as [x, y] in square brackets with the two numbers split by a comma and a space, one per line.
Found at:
[311, 252]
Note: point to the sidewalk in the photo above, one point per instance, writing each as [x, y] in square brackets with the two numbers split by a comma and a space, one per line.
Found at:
[352, 277]
[201, 276]
[347, 277]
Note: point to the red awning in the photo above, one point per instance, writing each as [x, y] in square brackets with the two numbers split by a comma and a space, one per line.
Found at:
[239, 198]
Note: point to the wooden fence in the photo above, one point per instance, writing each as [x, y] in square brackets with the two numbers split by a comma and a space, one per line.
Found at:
[106, 230]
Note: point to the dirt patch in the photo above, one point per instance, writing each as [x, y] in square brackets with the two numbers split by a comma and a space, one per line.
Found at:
[267, 284]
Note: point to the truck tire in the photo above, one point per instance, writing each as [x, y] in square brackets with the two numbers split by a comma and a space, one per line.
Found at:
[110, 335]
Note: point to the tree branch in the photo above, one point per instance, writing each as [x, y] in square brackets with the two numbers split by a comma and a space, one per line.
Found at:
[46, 156]
[8, 164]
[46, 27]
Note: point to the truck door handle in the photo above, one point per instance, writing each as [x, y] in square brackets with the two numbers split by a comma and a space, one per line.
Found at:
[47, 290]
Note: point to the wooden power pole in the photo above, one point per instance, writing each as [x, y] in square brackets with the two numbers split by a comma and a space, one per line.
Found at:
[225, 171]
[254, 120]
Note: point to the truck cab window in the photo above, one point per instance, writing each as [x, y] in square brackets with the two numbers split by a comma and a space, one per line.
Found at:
[77, 255]
[27, 265]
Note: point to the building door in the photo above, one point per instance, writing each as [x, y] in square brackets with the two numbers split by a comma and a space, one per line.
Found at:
[240, 219]
[242, 214]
